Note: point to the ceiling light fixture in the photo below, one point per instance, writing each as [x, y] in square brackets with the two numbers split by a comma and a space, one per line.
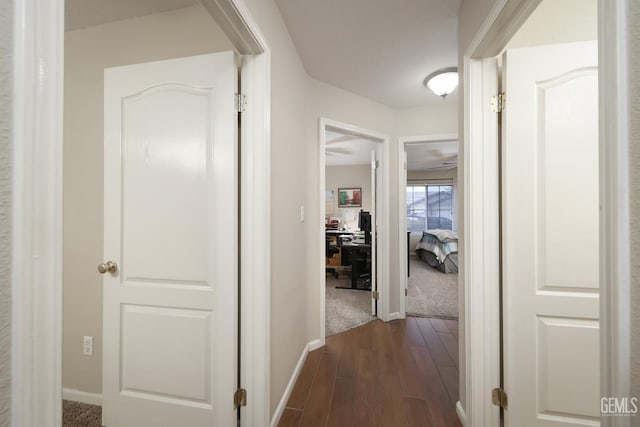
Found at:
[443, 81]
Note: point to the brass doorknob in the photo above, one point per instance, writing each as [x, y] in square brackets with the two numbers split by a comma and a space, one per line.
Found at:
[109, 266]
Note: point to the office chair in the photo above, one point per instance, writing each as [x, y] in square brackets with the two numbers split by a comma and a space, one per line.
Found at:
[330, 251]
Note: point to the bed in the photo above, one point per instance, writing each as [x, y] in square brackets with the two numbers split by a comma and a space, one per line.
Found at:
[439, 249]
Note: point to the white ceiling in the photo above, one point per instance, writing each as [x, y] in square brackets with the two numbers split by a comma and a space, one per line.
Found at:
[343, 149]
[88, 13]
[347, 150]
[380, 49]
[432, 156]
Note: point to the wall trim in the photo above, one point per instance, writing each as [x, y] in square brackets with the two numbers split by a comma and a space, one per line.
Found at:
[481, 244]
[461, 415]
[383, 217]
[82, 396]
[395, 316]
[315, 344]
[312, 345]
[615, 230]
[402, 210]
[36, 322]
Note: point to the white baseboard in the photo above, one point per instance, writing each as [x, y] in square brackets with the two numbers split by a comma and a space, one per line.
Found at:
[461, 414]
[82, 396]
[315, 344]
[394, 316]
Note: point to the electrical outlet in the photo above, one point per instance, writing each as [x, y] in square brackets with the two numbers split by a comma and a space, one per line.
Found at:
[87, 348]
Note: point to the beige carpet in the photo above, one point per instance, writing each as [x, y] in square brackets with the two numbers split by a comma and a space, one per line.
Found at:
[345, 309]
[75, 414]
[431, 293]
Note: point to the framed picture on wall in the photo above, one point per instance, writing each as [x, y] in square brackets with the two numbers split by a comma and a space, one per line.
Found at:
[349, 197]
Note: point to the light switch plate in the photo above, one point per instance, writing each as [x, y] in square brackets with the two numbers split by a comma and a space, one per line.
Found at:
[87, 346]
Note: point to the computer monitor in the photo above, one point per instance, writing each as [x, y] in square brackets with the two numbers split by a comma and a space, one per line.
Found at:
[364, 224]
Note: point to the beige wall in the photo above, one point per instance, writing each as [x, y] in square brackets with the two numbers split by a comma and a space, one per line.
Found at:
[634, 160]
[349, 177]
[183, 32]
[5, 209]
[431, 175]
[441, 119]
[558, 21]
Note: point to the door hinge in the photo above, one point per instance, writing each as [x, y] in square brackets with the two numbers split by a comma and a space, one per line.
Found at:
[375, 295]
[241, 103]
[499, 398]
[406, 292]
[240, 398]
[498, 103]
[375, 164]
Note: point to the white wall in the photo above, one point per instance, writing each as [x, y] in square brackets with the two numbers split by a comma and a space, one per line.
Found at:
[424, 121]
[6, 53]
[349, 177]
[183, 32]
[431, 175]
[556, 21]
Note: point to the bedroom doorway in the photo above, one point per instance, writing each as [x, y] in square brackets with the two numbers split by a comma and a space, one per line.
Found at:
[428, 185]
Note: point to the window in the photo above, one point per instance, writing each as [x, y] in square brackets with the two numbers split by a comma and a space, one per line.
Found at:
[429, 207]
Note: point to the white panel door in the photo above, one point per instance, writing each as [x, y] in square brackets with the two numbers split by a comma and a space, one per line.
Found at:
[550, 236]
[170, 309]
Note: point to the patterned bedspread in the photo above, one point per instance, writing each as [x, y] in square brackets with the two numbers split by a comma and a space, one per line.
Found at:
[440, 249]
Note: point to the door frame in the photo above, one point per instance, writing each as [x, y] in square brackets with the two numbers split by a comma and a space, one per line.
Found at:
[481, 339]
[382, 213]
[402, 208]
[36, 345]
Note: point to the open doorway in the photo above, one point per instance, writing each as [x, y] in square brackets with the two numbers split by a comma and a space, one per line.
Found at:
[350, 212]
[353, 226]
[428, 201]
[431, 231]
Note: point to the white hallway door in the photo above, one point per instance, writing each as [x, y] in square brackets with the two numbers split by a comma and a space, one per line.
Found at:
[170, 308]
[550, 236]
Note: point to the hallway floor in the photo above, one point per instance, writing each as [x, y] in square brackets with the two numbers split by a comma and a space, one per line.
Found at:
[401, 373]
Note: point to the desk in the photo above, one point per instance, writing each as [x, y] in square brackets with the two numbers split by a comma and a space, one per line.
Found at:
[335, 233]
[332, 236]
[354, 254]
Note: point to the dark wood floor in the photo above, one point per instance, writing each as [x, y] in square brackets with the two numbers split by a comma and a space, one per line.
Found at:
[401, 373]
